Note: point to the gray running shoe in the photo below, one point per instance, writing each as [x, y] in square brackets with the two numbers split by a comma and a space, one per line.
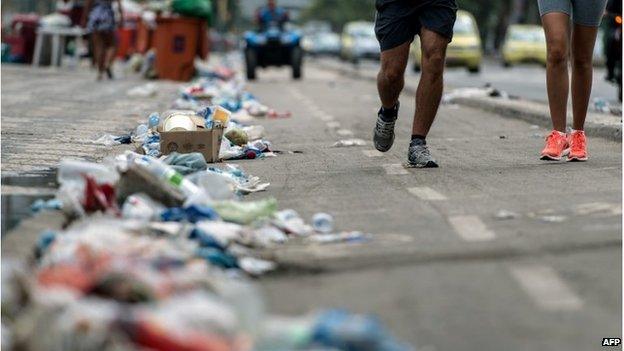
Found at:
[383, 136]
[419, 155]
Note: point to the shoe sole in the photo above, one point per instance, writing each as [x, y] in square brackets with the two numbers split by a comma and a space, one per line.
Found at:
[565, 153]
[577, 159]
[429, 164]
[383, 149]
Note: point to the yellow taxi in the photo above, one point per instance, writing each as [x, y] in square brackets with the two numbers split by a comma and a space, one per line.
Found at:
[465, 49]
[524, 43]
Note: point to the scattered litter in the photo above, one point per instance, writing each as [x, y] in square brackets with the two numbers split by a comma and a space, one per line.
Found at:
[506, 214]
[245, 212]
[339, 237]
[145, 90]
[168, 271]
[323, 223]
[603, 105]
[107, 140]
[255, 266]
[186, 163]
[602, 208]
[40, 205]
[553, 218]
[349, 142]
[486, 91]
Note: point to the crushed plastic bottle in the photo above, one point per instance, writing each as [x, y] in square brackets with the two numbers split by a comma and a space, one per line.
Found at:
[323, 223]
[153, 120]
[167, 174]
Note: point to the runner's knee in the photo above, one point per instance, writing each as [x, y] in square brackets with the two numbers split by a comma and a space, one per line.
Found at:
[433, 59]
[392, 72]
[557, 53]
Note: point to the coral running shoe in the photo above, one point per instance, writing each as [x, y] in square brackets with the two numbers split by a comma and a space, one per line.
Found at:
[578, 146]
[556, 146]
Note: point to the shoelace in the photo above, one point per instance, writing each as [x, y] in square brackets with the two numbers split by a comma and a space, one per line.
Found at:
[384, 129]
[578, 142]
[554, 139]
[422, 151]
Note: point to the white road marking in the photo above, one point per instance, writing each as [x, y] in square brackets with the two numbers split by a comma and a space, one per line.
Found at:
[471, 228]
[327, 118]
[426, 193]
[546, 288]
[372, 153]
[395, 169]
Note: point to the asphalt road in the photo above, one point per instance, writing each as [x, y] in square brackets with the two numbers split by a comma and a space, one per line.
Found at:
[443, 271]
[527, 81]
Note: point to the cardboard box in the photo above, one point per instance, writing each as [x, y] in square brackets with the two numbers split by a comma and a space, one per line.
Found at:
[205, 141]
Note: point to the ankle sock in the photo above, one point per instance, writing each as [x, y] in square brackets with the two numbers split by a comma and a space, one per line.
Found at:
[418, 139]
[389, 114]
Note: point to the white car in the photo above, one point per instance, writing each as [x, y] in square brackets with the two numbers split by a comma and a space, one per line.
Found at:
[359, 41]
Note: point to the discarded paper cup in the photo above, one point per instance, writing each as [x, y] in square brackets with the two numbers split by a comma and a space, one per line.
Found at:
[221, 115]
[179, 122]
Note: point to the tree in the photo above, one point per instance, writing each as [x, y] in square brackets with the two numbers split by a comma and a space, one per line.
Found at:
[339, 12]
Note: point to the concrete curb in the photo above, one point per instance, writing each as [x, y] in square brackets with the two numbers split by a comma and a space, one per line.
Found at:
[597, 124]
[315, 259]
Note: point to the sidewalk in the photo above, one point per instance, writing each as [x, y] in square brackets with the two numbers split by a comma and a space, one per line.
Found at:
[48, 114]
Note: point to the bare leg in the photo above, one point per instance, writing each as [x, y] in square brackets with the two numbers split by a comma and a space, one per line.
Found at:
[98, 53]
[557, 29]
[390, 79]
[111, 50]
[429, 92]
[583, 40]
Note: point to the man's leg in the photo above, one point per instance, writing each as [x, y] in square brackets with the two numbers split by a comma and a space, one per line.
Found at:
[429, 92]
[390, 82]
[390, 79]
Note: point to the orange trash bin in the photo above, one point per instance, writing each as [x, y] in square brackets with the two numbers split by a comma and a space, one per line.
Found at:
[144, 38]
[125, 42]
[177, 41]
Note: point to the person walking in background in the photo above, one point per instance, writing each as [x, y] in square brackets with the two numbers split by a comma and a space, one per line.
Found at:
[100, 22]
[574, 41]
[396, 24]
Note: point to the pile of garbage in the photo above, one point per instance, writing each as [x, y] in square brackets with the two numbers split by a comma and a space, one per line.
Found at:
[216, 100]
[157, 259]
[161, 251]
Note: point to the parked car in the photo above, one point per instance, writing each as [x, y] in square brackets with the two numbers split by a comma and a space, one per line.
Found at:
[465, 49]
[358, 41]
[524, 43]
[325, 43]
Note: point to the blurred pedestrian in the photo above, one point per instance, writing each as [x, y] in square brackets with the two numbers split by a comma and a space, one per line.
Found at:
[613, 39]
[396, 24]
[100, 22]
[574, 41]
[270, 15]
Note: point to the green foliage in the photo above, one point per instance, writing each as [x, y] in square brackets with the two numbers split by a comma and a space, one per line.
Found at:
[339, 12]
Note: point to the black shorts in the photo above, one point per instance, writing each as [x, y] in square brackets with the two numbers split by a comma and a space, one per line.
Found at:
[398, 21]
